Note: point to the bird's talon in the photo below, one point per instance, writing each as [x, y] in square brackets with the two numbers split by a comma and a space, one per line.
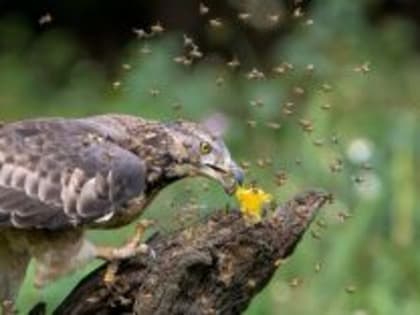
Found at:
[132, 248]
[110, 273]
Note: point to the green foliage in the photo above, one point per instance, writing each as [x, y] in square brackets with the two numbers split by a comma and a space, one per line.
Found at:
[368, 263]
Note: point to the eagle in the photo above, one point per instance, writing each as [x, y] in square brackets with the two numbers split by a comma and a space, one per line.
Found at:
[60, 177]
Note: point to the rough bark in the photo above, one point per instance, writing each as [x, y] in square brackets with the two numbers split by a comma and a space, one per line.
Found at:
[215, 267]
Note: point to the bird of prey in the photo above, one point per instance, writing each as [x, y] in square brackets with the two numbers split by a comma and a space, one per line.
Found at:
[60, 177]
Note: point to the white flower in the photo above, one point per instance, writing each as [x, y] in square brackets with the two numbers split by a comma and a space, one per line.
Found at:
[360, 150]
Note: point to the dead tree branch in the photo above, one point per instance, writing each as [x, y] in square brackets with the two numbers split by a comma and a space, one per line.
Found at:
[216, 267]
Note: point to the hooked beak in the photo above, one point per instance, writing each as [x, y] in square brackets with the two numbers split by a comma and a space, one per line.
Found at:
[230, 177]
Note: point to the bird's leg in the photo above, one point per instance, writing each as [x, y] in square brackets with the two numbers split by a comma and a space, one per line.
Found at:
[64, 256]
[73, 251]
[131, 248]
[13, 264]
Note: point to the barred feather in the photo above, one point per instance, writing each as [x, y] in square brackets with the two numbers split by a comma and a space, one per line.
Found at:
[57, 173]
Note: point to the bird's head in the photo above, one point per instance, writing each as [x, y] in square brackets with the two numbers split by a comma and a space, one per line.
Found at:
[196, 151]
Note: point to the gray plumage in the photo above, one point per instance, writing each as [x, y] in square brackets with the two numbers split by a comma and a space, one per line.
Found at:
[61, 173]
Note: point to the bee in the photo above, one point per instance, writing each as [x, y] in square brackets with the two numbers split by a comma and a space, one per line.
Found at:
[255, 74]
[187, 62]
[268, 161]
[326, 106]
[317, 267]
[309, 22]
[251, 283]
[351, 289]
[274, 18]
[116, 84]
[154, 92]
[234, 63]
[145, 50]
[179, 59]
[288, 108]
[326, 87]
[244, 16]
[287, 111]
[279, 262]
[251, 123]
[188, 41]
[280, 177]
[334, 139]
[182, 60]
[295, 282]
[364, 68]
[203, 9]
[310, 68]
[245, 165]
[297, 90]
[195, 52]
[257, 103]
[45, 19]
[321, 223]
[336, 166]
[315, 235]
[220, 80]
[126, 66]
[297, 13]
[358, 179]
[342, 216]
[366, 166]
[273, 125]
[157, 28]
[318, 142]
[279, 70]
[216, 23]
[261, 163]
[289, 65]
[140, 33]
[306, 125]
[177, 106]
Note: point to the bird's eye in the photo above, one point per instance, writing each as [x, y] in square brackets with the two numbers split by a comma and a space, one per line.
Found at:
[205, 148]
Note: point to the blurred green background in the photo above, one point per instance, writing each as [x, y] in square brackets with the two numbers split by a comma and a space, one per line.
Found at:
[332, 102]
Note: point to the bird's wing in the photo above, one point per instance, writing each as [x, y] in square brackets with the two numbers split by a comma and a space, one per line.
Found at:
[59, 173]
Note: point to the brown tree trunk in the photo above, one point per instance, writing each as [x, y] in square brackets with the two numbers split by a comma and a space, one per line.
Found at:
[215, 267]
